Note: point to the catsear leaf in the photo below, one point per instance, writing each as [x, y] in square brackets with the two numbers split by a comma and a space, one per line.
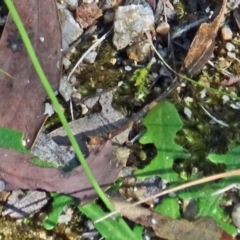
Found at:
[162, 124]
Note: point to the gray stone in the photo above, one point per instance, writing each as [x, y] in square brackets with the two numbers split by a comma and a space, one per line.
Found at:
[71, 30]
[130, 22]
[72, 4]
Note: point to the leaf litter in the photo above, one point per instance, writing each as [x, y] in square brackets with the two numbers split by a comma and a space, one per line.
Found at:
[22, 96]
[188, 65]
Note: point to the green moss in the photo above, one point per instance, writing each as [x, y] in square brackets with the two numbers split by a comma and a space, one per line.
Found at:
[102, 73]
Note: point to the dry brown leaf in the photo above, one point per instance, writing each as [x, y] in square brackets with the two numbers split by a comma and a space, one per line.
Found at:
[18, 173]
[232, 80]
[172, 229]
[202, 46]
[87, 13]
[22, 97]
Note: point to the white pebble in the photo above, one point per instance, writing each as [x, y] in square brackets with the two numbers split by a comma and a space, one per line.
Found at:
[188, 99]
[226, 33]
[203, 93]
[188, 112]
[128, 68]
[230, 47]
[66, 63]
[231, 55]
[225, 99]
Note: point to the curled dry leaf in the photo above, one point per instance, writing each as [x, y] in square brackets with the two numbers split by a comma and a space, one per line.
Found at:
[232, 80]
[18, 173]
[172, 229]
[202, 46]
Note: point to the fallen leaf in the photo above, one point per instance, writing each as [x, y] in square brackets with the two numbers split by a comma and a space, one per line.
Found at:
[172, 229]
[18, 173]
[22, 96]
[232, 80]
[87, 13]
[203, 43]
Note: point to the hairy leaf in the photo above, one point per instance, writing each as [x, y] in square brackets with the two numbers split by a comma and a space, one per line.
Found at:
[231, 158]
[59, 202]
[162, 124]
[169, 207]
[12, 139]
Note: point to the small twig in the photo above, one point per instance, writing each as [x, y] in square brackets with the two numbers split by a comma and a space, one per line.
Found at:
[215, 119]
[178, 188]
[179, 32]
[71, 109]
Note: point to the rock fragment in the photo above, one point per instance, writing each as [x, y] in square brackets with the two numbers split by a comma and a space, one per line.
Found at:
[131, 22]
[72, 4]
[226, 33]
[71, 30]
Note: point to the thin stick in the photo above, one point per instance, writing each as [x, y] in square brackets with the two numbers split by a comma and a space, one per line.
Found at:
[178, 188]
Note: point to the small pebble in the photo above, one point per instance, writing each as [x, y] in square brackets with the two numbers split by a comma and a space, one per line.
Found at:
[64, 219]
[163, 28]
[230, 47]
[90, 58]
[188, 99]
[48, 110]
[72, 4]
[203, 93]
[113, 61]
[138, 51]
[225, 99]
[88, 1]
[84, 109]
[128, 68]
[2, 186]
[108, 17]
[188, 112]
[76, 95]
[66, 63]
[226, 33]
[231, 55]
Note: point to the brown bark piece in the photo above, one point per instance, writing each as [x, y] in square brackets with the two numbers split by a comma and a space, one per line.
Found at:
[172, 229]
[19, 173]
[22, 96]
[202, 46]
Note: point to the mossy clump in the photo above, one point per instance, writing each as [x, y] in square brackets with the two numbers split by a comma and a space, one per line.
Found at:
[102, 74]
